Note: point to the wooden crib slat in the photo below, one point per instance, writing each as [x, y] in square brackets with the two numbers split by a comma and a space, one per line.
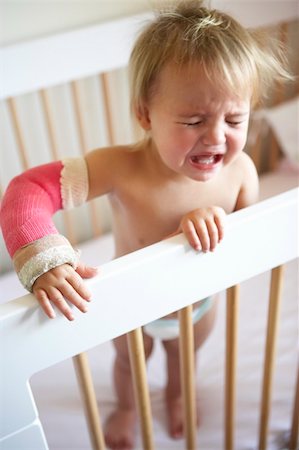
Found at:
[187, 367]
[49, 123]
[12, 106]
[142, 398]
[79, 117]
[232, 309]
[295, 419]
[108, 109]
[83, 142]
[272, 328]
[71, 235]
[89, 401]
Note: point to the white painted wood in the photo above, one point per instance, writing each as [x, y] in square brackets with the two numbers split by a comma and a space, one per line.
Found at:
[46, 62]
[31, 437]
[131, 291]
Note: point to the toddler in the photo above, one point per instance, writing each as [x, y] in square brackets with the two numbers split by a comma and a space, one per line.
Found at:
[195, 74]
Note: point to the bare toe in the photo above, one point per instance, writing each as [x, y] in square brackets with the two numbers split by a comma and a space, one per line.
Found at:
[176, 417]
[120, 430]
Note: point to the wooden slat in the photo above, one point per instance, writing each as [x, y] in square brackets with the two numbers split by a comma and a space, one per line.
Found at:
[295, 418]
[12, 107]
[49, 123]
[141, 392]
[232, 308]
[79, 116]
[104, 79]
[272, 327]
[71, 235]
[187, 368]
[97, 230]
[89, 401]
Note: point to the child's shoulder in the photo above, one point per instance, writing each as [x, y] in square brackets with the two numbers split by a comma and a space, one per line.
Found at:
[248, 181]
[117, 154]
[109, 167]
[245, 166]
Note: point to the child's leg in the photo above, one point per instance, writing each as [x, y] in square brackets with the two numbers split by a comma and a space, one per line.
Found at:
[120, 426]
[173, 392]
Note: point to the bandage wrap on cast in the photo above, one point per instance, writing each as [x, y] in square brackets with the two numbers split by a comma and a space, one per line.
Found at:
[29, 203]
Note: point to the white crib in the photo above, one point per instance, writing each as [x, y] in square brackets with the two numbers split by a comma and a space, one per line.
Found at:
[260, 238]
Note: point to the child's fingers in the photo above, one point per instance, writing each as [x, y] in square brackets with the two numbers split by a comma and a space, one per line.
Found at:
[220, 219]
[57, 298]
[213, 233]
[189, 231]
[204, 227]
[44, 302]
[86, 271]
[78, 285]
[59, 287]
[74, 297]
[203, 234]
[60, 298]
[54, 297]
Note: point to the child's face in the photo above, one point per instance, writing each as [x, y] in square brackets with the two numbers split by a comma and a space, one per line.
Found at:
[197, 126]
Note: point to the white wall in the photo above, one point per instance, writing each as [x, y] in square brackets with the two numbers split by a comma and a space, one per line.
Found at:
[254, 13]
[27, 19]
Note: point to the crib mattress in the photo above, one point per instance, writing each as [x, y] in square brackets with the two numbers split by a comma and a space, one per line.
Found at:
[58, 399]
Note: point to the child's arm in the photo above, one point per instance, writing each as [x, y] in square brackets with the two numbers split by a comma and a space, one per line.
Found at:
[204, 227]
[249, 191]
[42, 257]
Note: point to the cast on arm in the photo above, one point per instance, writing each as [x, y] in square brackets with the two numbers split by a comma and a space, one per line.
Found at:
[26, 214]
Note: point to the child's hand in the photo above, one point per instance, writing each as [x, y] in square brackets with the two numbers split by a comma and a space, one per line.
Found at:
[60, 283]
[204, 227]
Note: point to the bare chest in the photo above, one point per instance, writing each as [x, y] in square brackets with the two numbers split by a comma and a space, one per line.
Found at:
[146, 212]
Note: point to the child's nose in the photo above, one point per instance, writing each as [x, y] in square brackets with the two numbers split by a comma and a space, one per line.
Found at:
[214, 135]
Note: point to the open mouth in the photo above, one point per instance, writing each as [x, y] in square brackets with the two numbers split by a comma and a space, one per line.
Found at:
[206, 161]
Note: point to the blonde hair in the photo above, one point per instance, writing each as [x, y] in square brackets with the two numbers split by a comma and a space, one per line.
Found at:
[230, 54]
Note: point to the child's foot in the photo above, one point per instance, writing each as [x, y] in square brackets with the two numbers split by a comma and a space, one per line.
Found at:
[120, 430]
[176, 417]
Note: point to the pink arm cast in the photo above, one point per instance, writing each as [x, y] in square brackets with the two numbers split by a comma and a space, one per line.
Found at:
[26, 216]
[28, 205]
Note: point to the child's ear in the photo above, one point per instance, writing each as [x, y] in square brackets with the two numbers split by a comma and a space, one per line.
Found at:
[142, 115]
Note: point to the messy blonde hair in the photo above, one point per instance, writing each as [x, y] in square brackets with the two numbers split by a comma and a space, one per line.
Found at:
[187, 32]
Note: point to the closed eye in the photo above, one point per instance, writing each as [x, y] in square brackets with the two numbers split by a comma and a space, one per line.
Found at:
[237, 119]
[234, 123]
[191, 124]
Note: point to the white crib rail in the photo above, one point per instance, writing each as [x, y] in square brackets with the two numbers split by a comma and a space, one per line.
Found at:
[130, 292]
[67, 56]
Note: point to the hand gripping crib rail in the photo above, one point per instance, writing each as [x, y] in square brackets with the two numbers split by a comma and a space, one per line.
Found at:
[267, 233]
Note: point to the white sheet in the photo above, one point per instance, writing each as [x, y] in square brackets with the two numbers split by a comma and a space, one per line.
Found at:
[58, 401]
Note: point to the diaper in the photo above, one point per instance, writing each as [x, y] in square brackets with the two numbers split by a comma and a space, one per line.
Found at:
[166, 329]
